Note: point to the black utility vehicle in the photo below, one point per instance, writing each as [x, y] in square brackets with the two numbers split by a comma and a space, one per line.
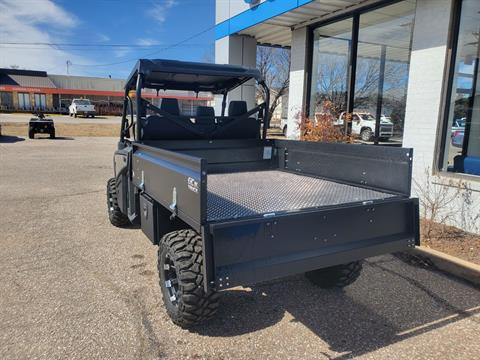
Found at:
[229, 207]
[40, 124]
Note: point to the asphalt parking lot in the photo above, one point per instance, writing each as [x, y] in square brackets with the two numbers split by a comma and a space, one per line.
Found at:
[73, 286]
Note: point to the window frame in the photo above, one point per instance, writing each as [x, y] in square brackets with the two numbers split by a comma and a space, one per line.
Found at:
[352, 61]
[447, 89]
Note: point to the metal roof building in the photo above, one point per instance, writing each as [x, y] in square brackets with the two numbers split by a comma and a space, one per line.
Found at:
[30, 90]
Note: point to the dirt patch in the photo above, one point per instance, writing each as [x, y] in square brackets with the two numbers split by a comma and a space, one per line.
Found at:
[64, 130]
[453, 241]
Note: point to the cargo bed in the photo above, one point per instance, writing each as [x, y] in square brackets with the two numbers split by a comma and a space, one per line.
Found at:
[271, 192]
[270, 208]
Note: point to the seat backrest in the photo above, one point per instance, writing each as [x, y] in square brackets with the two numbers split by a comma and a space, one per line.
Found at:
[170, 105]
[237, 108]
[205, 120]
[162, 128]
[205, 111]
[232, 128]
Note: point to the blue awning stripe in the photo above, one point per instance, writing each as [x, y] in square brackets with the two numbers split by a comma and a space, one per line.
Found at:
[256, 15]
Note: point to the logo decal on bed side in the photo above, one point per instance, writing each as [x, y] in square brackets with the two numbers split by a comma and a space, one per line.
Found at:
[192, 185]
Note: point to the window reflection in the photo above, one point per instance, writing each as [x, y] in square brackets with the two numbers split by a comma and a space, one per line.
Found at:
[382, 63]
[331, 49]
[462, 143]
[383, 58]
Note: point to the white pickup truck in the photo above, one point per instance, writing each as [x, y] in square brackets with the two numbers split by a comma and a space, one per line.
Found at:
[81, 107]
[363, 125]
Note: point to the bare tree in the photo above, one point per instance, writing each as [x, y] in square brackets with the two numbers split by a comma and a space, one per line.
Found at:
[274, 66]
[330, 81]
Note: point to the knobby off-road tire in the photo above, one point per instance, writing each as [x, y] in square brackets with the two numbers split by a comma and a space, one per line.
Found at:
[31, 134]
[52, 134]
[337, 276]
[180, 261]
[117, 218]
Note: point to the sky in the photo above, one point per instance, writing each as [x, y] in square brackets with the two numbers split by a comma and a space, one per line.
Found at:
[103, 37]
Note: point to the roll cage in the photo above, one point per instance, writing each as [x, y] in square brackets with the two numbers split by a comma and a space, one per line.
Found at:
[187, 76]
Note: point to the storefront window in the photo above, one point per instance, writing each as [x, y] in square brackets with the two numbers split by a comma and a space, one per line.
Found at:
[331, 52]
[24, 101]
[381, 57]
[40, 101]
[462, 139]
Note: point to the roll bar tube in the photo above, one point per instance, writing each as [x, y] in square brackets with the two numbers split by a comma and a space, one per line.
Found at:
[124, 115]
[138, 98]
[266, 111]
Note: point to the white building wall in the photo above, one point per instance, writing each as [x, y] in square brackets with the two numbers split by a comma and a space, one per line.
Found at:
[425, 83]
[424, 112]
[298, 77]
[237, 50]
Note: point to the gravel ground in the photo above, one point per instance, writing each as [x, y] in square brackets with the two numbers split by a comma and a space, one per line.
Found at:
[73, 286]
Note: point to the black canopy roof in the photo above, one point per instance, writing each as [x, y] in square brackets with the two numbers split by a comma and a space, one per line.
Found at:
[182, 75]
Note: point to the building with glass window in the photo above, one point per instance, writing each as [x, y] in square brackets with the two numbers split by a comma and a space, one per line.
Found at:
[406, 71]
[29, 90]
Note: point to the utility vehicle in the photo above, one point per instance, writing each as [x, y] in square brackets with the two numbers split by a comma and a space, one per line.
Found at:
[229, 207]
[40, 124]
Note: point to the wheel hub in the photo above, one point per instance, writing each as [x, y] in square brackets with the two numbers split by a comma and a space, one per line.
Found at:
[171, 280]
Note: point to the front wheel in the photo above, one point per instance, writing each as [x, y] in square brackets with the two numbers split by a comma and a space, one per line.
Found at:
[31, 134]
[337, 276]
[117, 218]
[52, 134]
[180, 261]
[366, 134]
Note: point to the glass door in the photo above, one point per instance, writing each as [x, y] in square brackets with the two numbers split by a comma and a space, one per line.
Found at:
[383, 59]
[24, 101]
[330, 64]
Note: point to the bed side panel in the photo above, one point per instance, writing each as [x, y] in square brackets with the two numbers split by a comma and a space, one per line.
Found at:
[246, 252]
[172, 179]
[380, 167]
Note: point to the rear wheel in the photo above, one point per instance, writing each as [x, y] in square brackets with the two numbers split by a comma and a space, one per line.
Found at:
[337, 276]
[180, 261]
[31, 134]
[117, 218]
[52, 134]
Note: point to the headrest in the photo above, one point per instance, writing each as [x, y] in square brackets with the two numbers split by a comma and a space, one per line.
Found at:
[237, 108]
[205, 111]
[170, 106]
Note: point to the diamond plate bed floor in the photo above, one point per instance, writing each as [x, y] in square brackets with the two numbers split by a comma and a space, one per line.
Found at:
[244, 194]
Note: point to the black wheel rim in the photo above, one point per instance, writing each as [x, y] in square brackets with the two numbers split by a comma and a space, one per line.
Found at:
[171, 280]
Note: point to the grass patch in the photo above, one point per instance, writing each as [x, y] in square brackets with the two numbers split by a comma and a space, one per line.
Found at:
[72, 130]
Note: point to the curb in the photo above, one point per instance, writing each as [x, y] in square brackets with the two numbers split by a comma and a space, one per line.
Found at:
[451, 264]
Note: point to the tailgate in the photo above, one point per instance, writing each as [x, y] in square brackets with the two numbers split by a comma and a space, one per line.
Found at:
[176, 181]
[248, 251]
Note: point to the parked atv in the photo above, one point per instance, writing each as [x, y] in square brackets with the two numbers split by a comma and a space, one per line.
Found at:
[40, 124]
